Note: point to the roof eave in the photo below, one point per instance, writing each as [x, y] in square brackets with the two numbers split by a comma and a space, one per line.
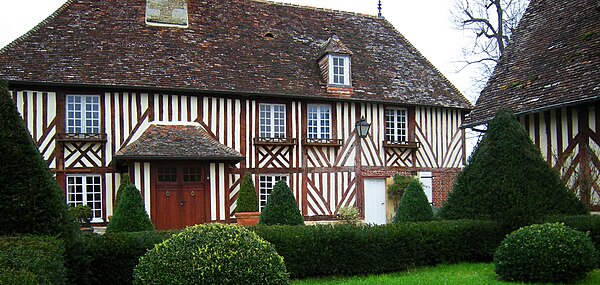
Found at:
[235, 159]
[536, 110]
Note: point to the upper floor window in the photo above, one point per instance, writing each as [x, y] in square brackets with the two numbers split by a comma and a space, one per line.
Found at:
[86, 190]
[396, 125]
[265, 185]
[339, 69]
[83, 114]
[272, 121]
[319, 121]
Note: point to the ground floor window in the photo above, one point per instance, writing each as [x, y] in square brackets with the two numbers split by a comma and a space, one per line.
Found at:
[266, 183]
[86, 190]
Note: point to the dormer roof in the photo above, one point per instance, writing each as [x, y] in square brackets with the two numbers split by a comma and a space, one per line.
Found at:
[234, 46]
[335, 46]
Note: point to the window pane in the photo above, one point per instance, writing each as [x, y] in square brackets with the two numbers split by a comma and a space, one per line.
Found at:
[192, 174]
[167, 174]
[396, 125]
[272, 121]
[85, 190]
[83, 114]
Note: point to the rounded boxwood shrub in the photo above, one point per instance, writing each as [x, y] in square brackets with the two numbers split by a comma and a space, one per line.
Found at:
[130, 213]
[414, 206]
[281, 208]
[550, 252]
[247, 200]
[212, 254]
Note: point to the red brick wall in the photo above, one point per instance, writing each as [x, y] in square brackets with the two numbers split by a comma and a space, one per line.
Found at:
[443, 181]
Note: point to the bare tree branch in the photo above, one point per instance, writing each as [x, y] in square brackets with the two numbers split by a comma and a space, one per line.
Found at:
[491, 24]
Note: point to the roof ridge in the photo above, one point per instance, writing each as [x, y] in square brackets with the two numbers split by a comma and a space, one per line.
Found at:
[317, 8]
[38, 26]
[431, 64]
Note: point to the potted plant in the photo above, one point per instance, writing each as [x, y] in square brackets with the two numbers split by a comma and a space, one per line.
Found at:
[246, 212]
[83, 215]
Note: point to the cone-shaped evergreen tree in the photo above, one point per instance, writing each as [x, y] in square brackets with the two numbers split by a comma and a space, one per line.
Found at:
[414, 206]
[507, 180]
[281, 208]
[125, 181]
[31, 200]
[130, 214]
[247, 200]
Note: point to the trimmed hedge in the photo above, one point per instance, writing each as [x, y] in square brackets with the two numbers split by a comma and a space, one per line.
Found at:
[25, 177]
[114, 255]
[414, 206]
[586, 223]
[247, 200]
[212, 254]
[281, 208]
[497, 182]
[356, 250]
[130, 214]
[32, 260]
[550, 252]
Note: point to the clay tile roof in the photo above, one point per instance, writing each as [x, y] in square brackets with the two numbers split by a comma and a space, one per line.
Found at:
[553, 60]
[232, 46]
[177, 142]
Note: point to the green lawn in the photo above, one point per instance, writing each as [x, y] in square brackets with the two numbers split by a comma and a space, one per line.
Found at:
[465, 273]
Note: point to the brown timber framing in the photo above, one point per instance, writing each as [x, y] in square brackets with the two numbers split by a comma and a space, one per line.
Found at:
[309, 167]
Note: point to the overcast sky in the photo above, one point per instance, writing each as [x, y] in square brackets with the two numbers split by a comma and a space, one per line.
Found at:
[425, 23]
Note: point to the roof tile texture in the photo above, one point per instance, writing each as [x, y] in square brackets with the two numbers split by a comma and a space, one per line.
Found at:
[177, 142]
[553, 60]
[225, 48]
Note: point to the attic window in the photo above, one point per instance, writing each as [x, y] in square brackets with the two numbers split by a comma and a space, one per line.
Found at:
[339, 69]
[269, 36]
[167, 13]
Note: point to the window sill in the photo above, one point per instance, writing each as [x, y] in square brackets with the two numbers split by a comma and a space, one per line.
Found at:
[401, 144]
[322, 142]
[274, 141]
[72, 137]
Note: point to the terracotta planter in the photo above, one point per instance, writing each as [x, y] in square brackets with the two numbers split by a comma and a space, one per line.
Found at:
[247, 218]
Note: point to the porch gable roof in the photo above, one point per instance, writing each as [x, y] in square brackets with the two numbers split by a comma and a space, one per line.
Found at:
[184, 142]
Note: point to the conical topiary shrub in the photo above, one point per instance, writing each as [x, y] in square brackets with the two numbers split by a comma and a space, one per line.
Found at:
[130, 214]
[247, 200]
[281, 208]
[507, 180]
[414, 206]
[125, 181]
[32, 201]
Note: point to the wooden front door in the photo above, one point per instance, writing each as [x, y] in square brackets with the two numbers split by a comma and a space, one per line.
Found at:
[178, 197]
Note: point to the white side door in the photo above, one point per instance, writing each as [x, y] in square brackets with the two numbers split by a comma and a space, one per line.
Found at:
[426, 178]
[375, 201]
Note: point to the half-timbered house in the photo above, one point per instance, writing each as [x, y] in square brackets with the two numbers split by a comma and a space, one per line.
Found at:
[550, 77]
[188, 96]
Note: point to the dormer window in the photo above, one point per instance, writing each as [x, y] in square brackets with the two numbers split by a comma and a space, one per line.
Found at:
[339, 69]
[335, 66]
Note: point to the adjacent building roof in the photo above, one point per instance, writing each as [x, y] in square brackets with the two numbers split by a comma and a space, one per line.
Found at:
[238, 46]
[183, 142]
[553, 60]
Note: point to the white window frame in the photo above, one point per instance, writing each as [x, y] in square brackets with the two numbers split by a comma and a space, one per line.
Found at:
[82, 114]
[265, 186]
[334, 70]
[77, 190]
[396, 125]
[273, 120]
[318, 121]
